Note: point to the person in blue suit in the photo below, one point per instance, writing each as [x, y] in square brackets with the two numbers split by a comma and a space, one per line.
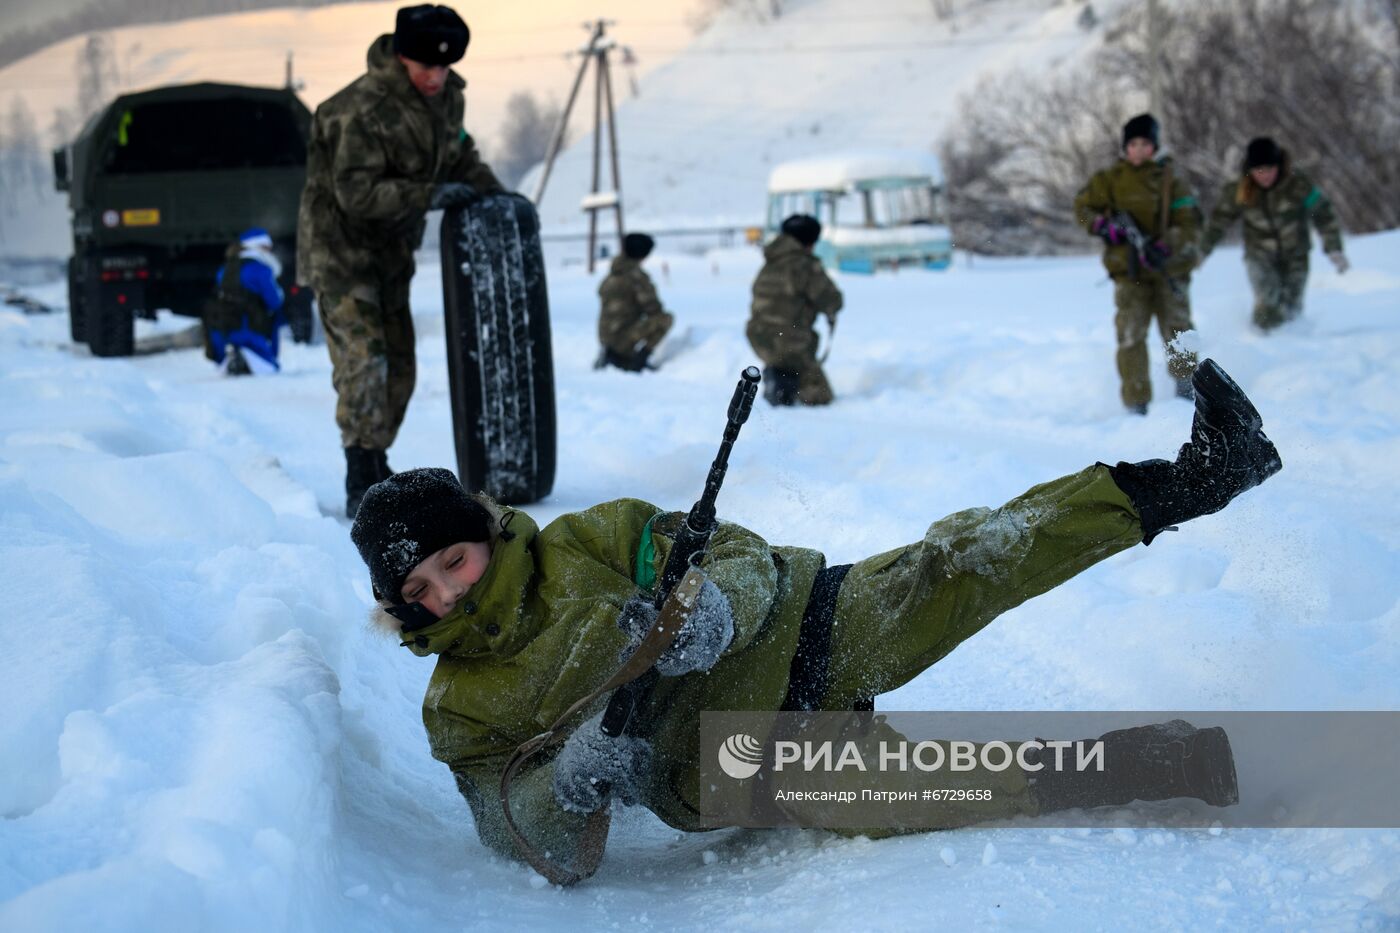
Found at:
[242, 320]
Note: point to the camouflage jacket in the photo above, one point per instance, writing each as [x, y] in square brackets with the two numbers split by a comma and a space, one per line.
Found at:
[628, 297]
[1137, 190]
[1275, 220]
[792, 288]
[377, 149]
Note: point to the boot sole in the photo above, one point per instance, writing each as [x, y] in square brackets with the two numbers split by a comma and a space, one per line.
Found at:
[1209, 766]
[1217, 393]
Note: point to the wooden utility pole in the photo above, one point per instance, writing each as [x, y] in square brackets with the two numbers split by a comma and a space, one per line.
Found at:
[596, 53]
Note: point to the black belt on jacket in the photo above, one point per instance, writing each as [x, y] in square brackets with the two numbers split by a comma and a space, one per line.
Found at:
[809, 676]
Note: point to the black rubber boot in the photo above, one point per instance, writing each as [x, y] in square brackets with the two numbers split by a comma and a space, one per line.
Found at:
[1157, 762]
[780, 386]
[633, 363]
[361, 472]
[237, 365]
[1228, 454]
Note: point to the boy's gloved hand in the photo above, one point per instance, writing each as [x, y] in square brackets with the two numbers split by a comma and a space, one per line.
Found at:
[702, 639]
[591, 767]
[1109, 231]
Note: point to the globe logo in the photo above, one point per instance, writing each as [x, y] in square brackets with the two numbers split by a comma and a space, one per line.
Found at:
[741, 756]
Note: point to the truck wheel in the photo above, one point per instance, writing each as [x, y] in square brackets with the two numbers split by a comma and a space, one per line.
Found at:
[77, 320]
[107, 308]
[499, 360]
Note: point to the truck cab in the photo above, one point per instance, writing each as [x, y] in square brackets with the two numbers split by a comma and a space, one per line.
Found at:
[160, 182]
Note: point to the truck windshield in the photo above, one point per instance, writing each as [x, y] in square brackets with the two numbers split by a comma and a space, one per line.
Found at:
[204, 135]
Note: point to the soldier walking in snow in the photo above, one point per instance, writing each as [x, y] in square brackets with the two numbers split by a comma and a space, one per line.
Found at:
[384, 151]
[632, 321]
[1277, 201]
[791, 290]
[1148, 219]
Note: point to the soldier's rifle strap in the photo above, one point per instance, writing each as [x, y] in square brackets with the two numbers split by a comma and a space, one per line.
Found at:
[1164, 214]
[662, 634]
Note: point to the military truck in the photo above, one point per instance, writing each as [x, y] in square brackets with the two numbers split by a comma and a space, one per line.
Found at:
[160, 183]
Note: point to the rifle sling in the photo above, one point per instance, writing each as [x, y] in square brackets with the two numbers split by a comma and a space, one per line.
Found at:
[662, 634]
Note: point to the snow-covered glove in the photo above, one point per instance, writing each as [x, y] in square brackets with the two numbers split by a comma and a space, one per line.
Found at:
[592, 766]
[701, 640]
[451, 194]
[1339, 260]
[1109, 231]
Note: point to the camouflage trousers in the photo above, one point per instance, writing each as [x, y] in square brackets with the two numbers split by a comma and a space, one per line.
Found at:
[900, 612]
[1278, 288]
[796, 352]
[1137, 302]
[641, 334]
[369, 332]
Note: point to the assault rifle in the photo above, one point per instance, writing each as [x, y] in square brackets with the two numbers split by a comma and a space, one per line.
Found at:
[688, 547]
[632, 683]
[1143, 253]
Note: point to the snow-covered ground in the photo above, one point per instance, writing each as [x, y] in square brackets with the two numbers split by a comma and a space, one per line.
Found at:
[697, 146]
[201, 732]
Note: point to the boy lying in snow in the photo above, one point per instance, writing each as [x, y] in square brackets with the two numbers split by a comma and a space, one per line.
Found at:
[526, 621]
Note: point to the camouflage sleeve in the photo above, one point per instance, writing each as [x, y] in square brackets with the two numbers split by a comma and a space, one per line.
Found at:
[1222, 218]
[1093, 200]
[363, 185]
[822, 292]
[1319, 207]
[645, 293]
[471, 169]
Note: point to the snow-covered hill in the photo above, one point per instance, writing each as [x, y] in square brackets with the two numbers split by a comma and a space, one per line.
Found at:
[828, 75]
[515, 47]
[201, 732]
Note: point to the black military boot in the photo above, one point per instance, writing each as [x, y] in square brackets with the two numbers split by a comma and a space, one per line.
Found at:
[381, 465]
[1156, 762]
[1228, 453]
[237, 365]
[780, 386]
[361, 472]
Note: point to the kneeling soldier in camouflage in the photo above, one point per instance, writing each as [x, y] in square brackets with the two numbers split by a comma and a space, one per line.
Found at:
[632, 321]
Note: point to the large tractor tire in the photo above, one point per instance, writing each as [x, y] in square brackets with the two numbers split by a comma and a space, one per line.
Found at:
[499, 359]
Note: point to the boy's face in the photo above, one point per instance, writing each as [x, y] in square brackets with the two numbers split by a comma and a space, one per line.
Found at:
[1139, 150]
[444, 576]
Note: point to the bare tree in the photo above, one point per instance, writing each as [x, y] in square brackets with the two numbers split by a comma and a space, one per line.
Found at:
[97, 75]
[525, 135]
[24, 165]
[1319, 77]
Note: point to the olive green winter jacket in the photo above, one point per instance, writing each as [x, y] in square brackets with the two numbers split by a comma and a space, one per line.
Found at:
[539, 631]
[377, 148]
[1275, 220]
[1138, 191]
